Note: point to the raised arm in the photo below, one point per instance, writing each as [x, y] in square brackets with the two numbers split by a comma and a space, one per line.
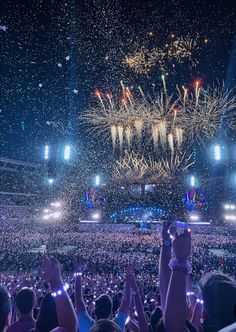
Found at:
[164, 269]
[84, 320]
[79, 301]
[132, 326]
[65, 311]
[176, 308]
[142, 320]
[126, 298]
[197, 314]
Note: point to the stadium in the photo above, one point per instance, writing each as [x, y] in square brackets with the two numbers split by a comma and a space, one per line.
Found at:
[117, 166]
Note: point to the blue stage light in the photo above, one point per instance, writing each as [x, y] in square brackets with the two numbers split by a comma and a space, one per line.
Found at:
[46, 152]
[217, 152]
[192, 181]
[67, 152]
[97, 180]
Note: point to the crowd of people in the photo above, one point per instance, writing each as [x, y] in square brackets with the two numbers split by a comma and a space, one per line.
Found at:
[159, 280]
[13, 207]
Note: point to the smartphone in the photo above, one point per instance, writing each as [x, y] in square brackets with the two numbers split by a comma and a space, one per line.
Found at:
[179, 226]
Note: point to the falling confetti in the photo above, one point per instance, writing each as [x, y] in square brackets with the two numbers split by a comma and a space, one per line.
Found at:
[3, 28]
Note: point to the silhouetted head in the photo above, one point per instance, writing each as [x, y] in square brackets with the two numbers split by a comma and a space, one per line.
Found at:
[25, 300]
[103, 307]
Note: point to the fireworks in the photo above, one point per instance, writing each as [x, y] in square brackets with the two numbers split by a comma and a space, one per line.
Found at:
[131, 167]
[134, 167]
[169, 121]
[175, 51]
[183, 48]
[143, 61]
[175, 166]
[206, 111]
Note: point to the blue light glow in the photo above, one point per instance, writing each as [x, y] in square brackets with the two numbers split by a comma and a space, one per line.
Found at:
[217, 152]
[46, 152]
[97, 180]
[192, 181]
[67, 152]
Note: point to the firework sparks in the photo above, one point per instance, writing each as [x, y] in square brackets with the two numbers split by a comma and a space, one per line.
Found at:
[138, 124]
[171, 143]
[114, 135]
[162, 129]
[206, 110]
[183, 48]
[144, 61]
[176, 165]
[134, 167]
[179, 136]
[131, 167]
[128, 135]
[176, 50]
[155, 134]
[169, 121]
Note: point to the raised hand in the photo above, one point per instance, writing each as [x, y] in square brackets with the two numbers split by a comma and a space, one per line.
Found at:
[52, 272]
[182, 246]
[165, 229]
[132, 280]
[78, 265]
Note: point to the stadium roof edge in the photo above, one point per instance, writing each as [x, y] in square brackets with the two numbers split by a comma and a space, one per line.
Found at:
[18, 162]
[16, 194]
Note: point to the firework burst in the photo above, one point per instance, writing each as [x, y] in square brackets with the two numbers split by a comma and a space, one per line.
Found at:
[130, 168]
[175, 51]
[143, 61]
[206, 111]
[134, 167]
[183, 48]
[175, 165]
[168, 121]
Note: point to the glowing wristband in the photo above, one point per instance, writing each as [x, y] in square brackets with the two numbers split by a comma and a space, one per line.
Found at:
[58, 293]
[77, 274]
[61, 290]
[199, 301]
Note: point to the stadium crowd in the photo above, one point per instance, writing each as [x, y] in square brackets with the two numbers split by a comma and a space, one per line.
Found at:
[152, 281]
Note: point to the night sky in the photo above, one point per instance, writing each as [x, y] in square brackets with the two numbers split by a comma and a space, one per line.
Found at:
[55, 53]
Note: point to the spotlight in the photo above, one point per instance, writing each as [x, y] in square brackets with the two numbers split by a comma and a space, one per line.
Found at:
[230, 217]
[50, 181]
[192, 181]
[229, 207]
[194, 217]
[217, 152]
[46, 216]
[96, 216]
[56, 215]
[67, 152]
[57, 204]
[46, 211]
[46, 152]
[97, 180]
